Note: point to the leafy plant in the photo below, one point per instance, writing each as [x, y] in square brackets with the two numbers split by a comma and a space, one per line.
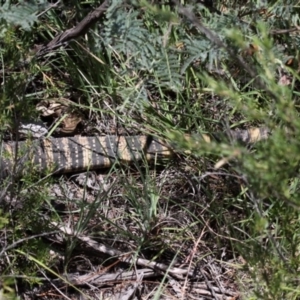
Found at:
[21, 14]
[167, 70]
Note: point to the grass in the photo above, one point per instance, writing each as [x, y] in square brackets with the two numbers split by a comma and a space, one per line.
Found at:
[238, 223]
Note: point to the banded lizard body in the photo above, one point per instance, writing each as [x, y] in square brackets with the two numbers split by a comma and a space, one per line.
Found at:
[75, 154]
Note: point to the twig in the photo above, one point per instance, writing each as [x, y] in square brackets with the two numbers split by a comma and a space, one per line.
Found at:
[126, 257]
[25, 240]
[80, 29]
[48, 8]
[54, 286]
[284, 31]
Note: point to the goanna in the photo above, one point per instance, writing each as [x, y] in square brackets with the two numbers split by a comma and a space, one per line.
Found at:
[75, 154]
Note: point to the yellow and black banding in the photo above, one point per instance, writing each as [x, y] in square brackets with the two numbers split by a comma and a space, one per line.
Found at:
[74, 154]
[243, 136]
[109, 150]
[15, 156]
[146, 148]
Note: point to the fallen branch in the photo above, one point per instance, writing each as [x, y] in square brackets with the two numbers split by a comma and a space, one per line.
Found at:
[70, 34]
[131, 259]
[101, 279]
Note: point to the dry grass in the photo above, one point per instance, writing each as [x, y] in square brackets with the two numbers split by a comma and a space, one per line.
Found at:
[179, 229]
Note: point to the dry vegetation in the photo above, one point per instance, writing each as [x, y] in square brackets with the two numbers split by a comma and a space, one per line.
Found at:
[177, 229]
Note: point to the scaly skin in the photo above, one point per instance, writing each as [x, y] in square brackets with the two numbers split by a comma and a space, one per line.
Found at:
[75, 154]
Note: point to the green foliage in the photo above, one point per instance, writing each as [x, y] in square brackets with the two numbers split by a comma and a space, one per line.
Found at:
[142, 48]
[3, 220]
[153, 67]
[22, 14]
